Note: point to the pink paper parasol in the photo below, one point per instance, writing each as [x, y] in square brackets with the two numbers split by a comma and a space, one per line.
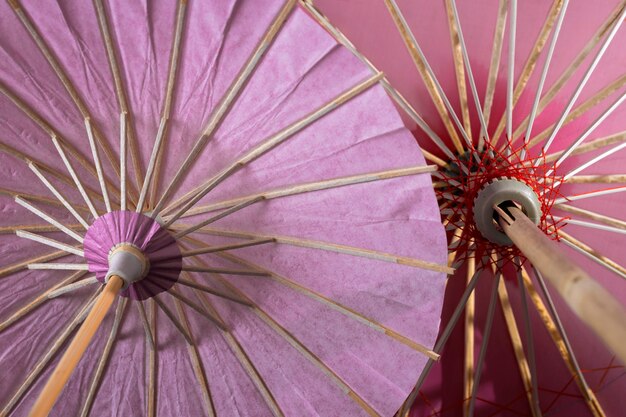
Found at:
[245, 185]
[562, 66]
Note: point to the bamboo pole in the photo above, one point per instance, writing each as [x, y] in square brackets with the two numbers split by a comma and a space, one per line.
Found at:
[593, 304]
[75, 351]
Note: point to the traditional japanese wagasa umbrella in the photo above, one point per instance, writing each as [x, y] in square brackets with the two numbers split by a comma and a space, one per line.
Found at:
[528, 107]
[240, 192]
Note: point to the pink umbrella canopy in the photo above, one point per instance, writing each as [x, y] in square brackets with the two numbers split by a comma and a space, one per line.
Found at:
[574, 375]
[293, 257]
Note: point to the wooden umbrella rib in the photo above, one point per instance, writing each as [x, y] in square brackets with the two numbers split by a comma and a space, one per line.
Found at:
[333, 247]
[104, 358]
[173, 319]
[120, 91]
[227, 100]
[50, 242]
[73, 286]
[531, 62]
[459, 68]
[597, 179]
[192, 197]
[23, 265]
[222, 248]
[571, 69]
[494, 65]
[193, 284]
[77, 181]
[41, 365]
[393, 93]
[41, 199]
[559, 337]
[442, 340]
[315, 186]
[245, 362]
[470, 308]
[53, 222]
[123, 152]
[39, 300]
[590, 194]
[206, 314]
[609, 221]
[146, 325]
[196, 362]
[592, 254]
[58, 195]
[166, 111]
[432, 85]
[591, 146]
[33, 228]
[226, 271]
[96, 160]
[59, 266]
[336, 306]
[151, 397]
[62, 75]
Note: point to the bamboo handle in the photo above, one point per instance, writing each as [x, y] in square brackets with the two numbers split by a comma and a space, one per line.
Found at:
[77, 348]
[593, 304]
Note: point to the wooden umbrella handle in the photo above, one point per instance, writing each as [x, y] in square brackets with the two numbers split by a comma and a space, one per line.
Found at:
[593, 304]
[76, 349]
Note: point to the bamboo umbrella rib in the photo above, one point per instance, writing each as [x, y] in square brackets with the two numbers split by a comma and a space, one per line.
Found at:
[192, 268]
[459, 68]
[41, 365]
[104, 358]
[227, 100]
[315, 186]
[442, 340]
[173, 319]
[123, 161]
[156, 148]
[590, 194]
[435, 90]
[591, 146]
[246, 363]
[22, 265]
[584, 107]
[592, 254]
[33, 228]
[597, 179]
[145, 323]
[534, 400]
[59, 266]
[468, 373]
[268, 145]
[212, 291]
[77, 182]
[39, 300]
[169, 94]
[591, 225]
[219, 216]
[222, 248]
[494, 65]
[518, 348]
[571, 69]
[44, 200]
[555, 328]
[62, 75]
[336, 306]
[4, 148]
[58, 225]
[610, 221]
[510, 71]
[175, 294]
[531, 62]
[485, 342]
[58, 195]
[50, 131]
[73, 287]
[592, 161]
[120, 91]
[542, 79]
[96, 160]
[50, 242]
[196, 363]
[393, 93]
[151, 397]
[607, 41]
[300, 347]
[333, 247]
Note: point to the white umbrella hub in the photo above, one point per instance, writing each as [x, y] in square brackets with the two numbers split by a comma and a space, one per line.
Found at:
[136, 248]
[476, 182]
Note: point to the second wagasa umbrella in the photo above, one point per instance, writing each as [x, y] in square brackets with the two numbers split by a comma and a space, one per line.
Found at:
[500, 64]
[265, 226]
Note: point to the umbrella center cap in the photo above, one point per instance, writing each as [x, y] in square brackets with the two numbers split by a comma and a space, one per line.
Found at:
[503, 191]
[136, 248]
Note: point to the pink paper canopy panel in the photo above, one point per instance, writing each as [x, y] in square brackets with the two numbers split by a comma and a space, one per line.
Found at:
[595, 219]
[314, 258]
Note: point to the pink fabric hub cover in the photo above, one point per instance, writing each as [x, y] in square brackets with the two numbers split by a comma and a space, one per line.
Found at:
[144, 233]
